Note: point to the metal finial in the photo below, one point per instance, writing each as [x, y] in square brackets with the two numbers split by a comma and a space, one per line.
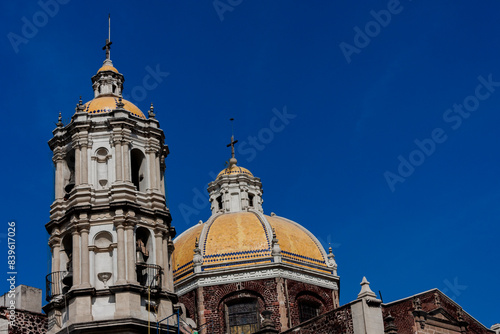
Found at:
[232, 161]
[107, 47]
[151, 112]
[80, 102]
[59, 120]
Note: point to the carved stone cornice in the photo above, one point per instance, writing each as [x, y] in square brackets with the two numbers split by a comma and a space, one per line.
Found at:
[209, 279]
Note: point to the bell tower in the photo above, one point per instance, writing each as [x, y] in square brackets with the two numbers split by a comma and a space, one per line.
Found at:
[110, 229]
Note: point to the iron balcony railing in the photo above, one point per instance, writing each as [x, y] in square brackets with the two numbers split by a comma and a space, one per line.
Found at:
[57, 283]
[149, 275]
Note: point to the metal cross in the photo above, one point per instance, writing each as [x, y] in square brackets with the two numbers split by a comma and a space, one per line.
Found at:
[107, 47]
[232, 139]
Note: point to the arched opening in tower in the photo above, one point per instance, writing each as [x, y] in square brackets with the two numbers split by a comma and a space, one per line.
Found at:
[69, 173]
[138, 165]
[66, 261]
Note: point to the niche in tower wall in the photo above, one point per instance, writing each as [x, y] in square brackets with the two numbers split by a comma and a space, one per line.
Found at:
[103, 260]
[101, 158]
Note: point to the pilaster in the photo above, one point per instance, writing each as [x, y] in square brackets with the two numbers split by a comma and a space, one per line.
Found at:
[119, 225]
[84, 227]
[76, 258]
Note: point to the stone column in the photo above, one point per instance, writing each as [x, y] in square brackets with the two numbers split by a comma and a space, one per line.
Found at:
[157, 172]
[58, 184]
[126, 161]
[152, 170]
[84, 161]
[55, 244]
[159, 252]
[131, 276]
[167, 253]
[76, 258]
[85, 268]
[120, 279]
[78, 164]
[118, 160]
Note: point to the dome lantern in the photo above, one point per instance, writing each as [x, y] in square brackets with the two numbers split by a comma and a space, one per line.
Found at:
[108, 81]
[235, 189]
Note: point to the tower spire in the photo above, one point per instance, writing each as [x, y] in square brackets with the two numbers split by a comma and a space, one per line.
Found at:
[107, 47]
[232, 161]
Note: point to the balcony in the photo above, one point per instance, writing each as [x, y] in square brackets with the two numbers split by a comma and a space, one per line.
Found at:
[57, 283]
[149, 275]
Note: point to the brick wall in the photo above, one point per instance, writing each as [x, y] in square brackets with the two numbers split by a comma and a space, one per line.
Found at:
[26, 322]
[265, 291]
[215, 298]
[189, 300]
[298, 291]
[431, 302]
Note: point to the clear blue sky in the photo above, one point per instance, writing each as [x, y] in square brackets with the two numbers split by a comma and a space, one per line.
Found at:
[362, 92]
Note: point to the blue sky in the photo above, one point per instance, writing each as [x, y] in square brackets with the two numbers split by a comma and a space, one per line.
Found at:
[374, 125]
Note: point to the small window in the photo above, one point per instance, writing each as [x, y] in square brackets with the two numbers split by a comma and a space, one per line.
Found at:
[250, 200]
[307, 311]
[219, 202]
[243, 317]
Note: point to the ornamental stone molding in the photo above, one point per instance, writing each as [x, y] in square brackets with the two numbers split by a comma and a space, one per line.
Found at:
[251, 275]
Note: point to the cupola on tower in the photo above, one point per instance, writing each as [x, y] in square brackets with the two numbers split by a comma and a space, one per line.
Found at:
[110, 229]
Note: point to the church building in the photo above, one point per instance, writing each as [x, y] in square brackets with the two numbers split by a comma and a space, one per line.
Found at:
[118, 267]
[241, 262]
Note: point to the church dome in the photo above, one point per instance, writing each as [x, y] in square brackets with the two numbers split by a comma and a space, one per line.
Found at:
[107, 67]
[234, 170]
[105, 104]
[233, 240]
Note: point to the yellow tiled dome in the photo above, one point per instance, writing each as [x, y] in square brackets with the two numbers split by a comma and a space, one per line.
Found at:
[105, 104]
[107, 68]
[233, 170]
[245, 238]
